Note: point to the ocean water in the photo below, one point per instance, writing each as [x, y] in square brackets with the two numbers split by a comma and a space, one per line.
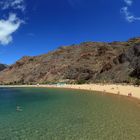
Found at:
[60, 114]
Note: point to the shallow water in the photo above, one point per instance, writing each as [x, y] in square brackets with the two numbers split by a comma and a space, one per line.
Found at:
[58, 114]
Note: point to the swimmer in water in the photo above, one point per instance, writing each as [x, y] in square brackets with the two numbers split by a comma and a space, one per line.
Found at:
[18, 108]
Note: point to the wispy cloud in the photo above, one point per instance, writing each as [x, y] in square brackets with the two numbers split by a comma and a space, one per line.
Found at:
[12, 23]
[14, 4]
[31, 34]
[75, 3]
[128, 2]
[130, 17]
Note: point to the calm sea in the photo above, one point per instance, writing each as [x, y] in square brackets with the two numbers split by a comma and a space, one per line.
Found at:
[59, 114]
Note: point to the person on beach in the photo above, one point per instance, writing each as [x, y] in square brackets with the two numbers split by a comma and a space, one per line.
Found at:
[129, 94]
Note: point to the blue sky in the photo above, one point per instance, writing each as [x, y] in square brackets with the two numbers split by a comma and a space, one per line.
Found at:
[33, 27]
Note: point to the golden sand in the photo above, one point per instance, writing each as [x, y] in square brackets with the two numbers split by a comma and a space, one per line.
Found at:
[126, 90]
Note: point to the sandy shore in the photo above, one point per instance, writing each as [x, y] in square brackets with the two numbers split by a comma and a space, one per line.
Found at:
[126, 90]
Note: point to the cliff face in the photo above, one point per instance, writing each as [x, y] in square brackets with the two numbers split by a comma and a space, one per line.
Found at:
[86, 62]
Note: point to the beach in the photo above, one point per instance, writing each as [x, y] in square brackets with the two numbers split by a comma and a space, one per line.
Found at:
[118, 89]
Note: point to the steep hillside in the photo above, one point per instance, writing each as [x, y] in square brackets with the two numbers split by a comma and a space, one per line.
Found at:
[87, 62]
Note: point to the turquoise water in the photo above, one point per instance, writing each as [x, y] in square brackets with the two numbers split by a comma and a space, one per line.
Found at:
[58, 114]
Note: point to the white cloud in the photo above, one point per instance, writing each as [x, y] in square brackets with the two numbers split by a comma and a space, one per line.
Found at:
[130, 17]
[8, 27]
[14, 4]
[13, 22]
[128, 2]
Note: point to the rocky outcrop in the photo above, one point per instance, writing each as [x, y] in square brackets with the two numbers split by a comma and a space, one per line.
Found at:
[88, 62]
[2, 67]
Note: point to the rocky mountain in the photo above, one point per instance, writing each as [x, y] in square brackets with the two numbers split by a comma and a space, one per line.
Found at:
[2, 67]
[90, 62]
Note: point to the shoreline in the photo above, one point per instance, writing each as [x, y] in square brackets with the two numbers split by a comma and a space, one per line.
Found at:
[118, 89]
